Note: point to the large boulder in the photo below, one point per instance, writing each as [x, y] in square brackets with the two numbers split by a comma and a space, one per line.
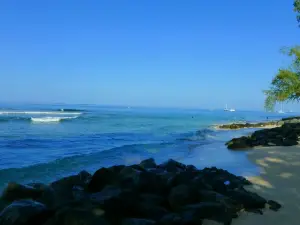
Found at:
[78, 216]
[63, 188]
[101, 178]
[239, 143]
[171, 218]
[152, 199]
[172, 166]
[150, 211]
[15, 191]
[207, 210]
[148, 163]
[25, 212]
[248, 199]
[182, 195]
[137, 221]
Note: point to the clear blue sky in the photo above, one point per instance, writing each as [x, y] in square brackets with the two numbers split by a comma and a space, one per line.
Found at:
[143, 52]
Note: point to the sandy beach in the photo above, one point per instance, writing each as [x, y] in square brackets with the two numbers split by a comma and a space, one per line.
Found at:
[279, 181]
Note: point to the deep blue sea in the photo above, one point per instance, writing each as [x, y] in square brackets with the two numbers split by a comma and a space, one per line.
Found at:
[40, 143]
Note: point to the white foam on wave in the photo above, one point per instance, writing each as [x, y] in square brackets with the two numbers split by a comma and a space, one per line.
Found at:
[51, 119]
[40, 112]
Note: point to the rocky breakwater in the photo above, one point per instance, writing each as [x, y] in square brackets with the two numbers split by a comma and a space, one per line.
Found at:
[286, 135]
[236, 126]
[141, 194]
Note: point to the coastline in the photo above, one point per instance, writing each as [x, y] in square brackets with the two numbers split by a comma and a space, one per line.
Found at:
[278, 180]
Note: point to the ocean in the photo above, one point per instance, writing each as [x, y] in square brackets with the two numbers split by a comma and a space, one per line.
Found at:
[41, 143]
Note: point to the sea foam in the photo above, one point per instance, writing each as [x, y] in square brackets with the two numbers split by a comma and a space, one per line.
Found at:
[41, 112]
[51, 119]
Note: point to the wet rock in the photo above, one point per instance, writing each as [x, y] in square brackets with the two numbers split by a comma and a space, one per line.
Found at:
[152, 199]
[24, 212]
[172, 166]
[289, 142]
[136, 221]
[171, 218]
[63, 188]
[207, 210]
[182, 195]
[275, 206]
[15, 191]
[148, 163]
[116, 169]
[239, 143]
[101, 178]
[48, 196]
[125, 204]
[151, 183]
[235, 126]
[185, 177]
[138, 167]
[76, 216]
[248, 199]
[107, 193]
[191, 168]
[151, 211]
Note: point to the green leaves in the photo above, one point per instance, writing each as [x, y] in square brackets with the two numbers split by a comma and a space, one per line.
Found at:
[285, 85]
[297, 9]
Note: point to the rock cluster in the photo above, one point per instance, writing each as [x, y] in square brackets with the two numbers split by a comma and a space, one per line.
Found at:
[236, 126]
[141, 194]
[286, 135]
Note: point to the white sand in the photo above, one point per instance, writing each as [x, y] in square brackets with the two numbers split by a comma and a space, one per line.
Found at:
[279, 181]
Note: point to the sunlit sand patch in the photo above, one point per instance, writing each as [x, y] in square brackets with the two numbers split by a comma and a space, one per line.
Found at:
[274, 160]
[285, 175]
[261, 162]
[260, 182]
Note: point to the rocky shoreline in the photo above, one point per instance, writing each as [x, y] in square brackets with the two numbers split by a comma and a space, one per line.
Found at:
[265, 124]
[237, 126]
[141, 194]
[285, 135]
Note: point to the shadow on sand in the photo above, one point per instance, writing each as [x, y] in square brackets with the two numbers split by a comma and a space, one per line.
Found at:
[280, 181]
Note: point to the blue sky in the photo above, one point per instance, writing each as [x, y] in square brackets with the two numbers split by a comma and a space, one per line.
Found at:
[143, 52]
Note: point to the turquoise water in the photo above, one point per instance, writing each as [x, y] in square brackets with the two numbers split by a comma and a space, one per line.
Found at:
[40, 143]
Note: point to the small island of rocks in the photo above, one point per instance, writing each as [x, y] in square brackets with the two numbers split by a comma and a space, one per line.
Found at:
[287, 134]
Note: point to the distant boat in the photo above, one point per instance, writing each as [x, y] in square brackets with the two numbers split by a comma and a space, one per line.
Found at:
[281, 110]
[230, 110]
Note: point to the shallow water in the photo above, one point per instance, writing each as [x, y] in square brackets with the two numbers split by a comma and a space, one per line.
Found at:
[42, 142]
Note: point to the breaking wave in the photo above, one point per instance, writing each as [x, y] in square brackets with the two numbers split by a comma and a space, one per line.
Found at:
[40, 112]
[50, 119]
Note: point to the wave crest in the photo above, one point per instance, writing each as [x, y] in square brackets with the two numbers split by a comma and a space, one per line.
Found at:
[41, 112]
[50, 119]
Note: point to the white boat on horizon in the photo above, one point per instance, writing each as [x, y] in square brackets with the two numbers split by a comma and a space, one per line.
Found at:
[281, 110]
[229, 110]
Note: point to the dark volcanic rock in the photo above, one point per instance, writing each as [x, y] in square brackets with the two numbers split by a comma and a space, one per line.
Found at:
[275, 206]
[143, 194]
[239, 143]
[171, 218]
[182, 195]
[136, 221]
[148, 163]
[24, 212]
[235, 126]
[208, 210]
[15, 191]
[78, 216]
[248, 199]
[286, 135]
[101, 178]
[64, 188]
[172, 166]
